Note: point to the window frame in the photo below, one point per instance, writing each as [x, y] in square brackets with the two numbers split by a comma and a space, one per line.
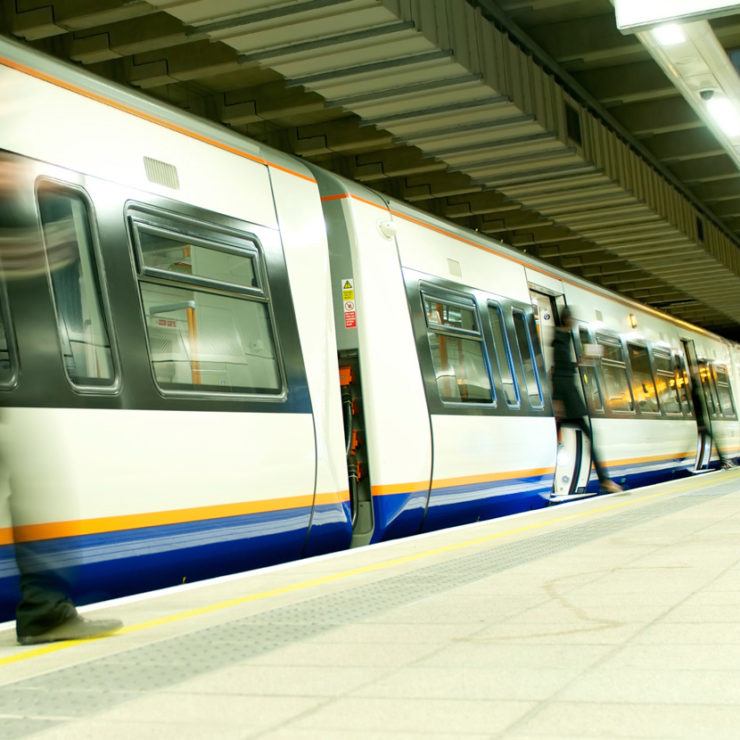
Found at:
[588, 363]
[614, 340]
[198, 280]
[643, 345]
[95, 253]
[709, 389]
[681, 366]
[728, 384]
[526, 318]
[178, 226]
[11, 382]
[493, 305]
[666, 353]
[466, 302]
[414, 281]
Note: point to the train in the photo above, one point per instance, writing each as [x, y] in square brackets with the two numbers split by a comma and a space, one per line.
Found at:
[215, 356]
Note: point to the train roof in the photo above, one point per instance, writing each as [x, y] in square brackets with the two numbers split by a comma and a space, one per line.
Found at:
[17, 56]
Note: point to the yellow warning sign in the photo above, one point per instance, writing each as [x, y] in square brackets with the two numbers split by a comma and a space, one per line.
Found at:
[348, 290]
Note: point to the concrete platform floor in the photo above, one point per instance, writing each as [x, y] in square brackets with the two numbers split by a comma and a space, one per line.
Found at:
[610, 617]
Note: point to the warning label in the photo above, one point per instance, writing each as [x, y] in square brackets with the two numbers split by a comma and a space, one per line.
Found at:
[348, 296]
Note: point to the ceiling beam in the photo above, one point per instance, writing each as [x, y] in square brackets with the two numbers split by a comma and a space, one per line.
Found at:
[626, 83]
[709, 169]
[658, 116]
[133, 36]
[59, 17]
[591, 39]
[677, 146]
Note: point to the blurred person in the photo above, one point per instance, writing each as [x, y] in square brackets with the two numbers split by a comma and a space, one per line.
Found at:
[30, 462]
[38, 492]
[703, 420]
[567, 402]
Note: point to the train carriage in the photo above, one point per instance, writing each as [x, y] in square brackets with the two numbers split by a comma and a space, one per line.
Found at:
[169, 390]
[214, 356]
[482, 317]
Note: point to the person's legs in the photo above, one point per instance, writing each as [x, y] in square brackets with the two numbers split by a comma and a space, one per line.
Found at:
[46, 613]
[45, 602]
[604, 481]
[47, 568]
[724, 461]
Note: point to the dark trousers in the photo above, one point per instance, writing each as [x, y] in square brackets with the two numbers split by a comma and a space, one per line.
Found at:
[44, 602]
[32, 475]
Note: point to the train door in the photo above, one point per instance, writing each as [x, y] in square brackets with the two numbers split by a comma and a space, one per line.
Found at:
[704, 441]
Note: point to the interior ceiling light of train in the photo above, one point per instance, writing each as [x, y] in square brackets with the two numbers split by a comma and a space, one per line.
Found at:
[536, 122]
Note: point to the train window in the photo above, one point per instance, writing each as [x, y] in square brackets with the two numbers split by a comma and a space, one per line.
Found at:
[722, 381]
[616, 383]
[681, 376]
[222, 267]
[5, 365]
[710, 389]
[589, 376]
[75, 284]
[8, 360]
[527, 354]
[208, 319]
[456, 342]
[643, 385]
[666, 382]
[502, 354]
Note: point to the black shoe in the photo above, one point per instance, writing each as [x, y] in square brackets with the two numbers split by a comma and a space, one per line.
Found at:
[74, 628]
[728, 464]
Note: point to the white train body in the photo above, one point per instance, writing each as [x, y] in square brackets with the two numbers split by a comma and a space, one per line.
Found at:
[173, 406]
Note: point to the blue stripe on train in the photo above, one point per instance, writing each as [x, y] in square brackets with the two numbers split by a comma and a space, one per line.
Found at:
[402, 514]
[111, 564]
[119, 563]
[636, 475]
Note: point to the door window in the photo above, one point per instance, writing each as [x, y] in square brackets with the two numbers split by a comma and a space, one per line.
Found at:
[528, 358]
[502, 354]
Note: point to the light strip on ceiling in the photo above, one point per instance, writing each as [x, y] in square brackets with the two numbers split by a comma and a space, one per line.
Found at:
[633, 15]
[701, 70]
[669, 34]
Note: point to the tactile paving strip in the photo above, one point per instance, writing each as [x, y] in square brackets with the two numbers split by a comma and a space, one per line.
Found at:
[43, 701]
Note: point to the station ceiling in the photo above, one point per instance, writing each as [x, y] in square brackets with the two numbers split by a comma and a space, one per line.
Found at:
[533, 121]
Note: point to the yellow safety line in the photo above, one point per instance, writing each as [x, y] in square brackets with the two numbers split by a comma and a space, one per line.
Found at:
[53, 647]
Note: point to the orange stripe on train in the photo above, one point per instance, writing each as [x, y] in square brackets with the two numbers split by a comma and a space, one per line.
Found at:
[529, 265]
[99, 525]
[145, 116]
[389, 489]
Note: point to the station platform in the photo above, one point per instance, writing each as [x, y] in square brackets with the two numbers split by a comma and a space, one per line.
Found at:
[616, 616]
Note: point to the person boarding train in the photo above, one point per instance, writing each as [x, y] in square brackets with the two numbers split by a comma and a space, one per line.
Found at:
[567, 401]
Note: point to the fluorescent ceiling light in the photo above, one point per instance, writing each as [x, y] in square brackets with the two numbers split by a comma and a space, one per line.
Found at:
[725, 113]
[669, 34]
[634, 14]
